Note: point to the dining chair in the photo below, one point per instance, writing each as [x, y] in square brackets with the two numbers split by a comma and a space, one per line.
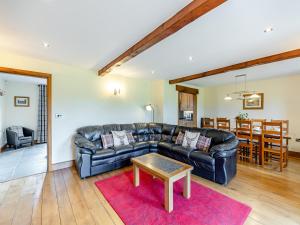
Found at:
[285, 125]
[223, 124]
[244, 132]
[258, 123]
[272, 142]
[208, 123]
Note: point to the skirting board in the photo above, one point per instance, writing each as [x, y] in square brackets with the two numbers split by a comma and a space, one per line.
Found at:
[294, 154]
[62, 165]
[2, 148]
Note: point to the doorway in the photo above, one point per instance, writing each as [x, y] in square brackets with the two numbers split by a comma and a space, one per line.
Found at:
[25, 96]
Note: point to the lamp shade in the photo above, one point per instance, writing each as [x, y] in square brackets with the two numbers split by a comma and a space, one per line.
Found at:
[149, 107]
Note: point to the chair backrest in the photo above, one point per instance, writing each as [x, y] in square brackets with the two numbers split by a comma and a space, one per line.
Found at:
[244, 130]
[223, 124]
[17, 129]
[208, 122]
[285, 125]
[272, 133]
[258, 123]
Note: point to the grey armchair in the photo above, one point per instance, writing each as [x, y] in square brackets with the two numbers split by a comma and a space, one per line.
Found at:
[13, 138]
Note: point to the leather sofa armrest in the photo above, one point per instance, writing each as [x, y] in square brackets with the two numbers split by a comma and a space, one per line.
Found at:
[85, 146]
[12, 137]
[225, 149]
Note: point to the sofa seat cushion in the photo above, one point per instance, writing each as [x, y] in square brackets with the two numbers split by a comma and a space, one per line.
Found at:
[165, 145]
[153, 144]
[184, 151]
[203, 160]
[103, 154]
[103, 161]
[123, 149]
[140, 145]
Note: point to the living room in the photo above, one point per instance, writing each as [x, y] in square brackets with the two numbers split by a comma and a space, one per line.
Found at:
[48, 39]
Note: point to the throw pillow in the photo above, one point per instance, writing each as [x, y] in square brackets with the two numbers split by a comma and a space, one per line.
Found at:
[120, 138]
[130, 137]
[203, 143]
[179, 138]
[18, 130]
[107, 140]
[190, 139]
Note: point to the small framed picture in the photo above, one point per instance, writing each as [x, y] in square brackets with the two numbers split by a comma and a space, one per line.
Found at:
[253, 103]
[21, 101]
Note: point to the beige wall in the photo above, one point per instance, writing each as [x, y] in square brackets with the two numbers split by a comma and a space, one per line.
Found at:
[2, 115]
[83, 98]
[21, 116]
[281, 102]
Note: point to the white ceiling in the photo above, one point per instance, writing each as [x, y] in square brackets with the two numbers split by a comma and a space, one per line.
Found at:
[85, 33]
[23, 79]
[92, 33]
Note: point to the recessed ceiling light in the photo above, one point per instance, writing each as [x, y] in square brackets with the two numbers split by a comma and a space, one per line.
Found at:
[191, 58]
[46, 44]
[268, 29]
[153, 71]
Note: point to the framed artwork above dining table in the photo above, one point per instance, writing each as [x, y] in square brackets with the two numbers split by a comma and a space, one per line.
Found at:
[253, 103]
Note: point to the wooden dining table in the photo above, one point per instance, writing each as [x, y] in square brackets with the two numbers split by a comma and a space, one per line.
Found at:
[257, 135]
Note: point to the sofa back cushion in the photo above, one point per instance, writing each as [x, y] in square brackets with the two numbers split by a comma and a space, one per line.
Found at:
[92, 133]
[18, 130]
[155, 131]
[218, 136]
[130, 127]
[142, 131]
[111, 127]
[167, 132]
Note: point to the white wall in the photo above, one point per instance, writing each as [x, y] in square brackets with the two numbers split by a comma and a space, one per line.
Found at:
[281, 102]
[21, 116]
[86, 99]
[2, 115]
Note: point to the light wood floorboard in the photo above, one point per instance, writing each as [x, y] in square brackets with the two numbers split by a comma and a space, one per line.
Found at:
[61, 197]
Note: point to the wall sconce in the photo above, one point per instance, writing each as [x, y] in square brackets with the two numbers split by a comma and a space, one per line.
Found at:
[117, 91]
[149, 107]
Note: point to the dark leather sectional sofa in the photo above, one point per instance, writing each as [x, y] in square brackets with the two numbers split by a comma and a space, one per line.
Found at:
[218, 165]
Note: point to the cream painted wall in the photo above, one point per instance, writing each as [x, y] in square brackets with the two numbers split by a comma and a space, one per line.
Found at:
[170, 103]
[83, 98]
[2, 115]
[281, 102]
[21, 116]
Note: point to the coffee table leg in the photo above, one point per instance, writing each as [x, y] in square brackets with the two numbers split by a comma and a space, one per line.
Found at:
[136, 176]
[169, 196]
[187, 185]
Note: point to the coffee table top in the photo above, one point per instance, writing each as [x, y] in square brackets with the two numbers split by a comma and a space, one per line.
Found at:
[160, 165]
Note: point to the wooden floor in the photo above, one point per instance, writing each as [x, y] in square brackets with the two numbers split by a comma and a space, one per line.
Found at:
[62, 198]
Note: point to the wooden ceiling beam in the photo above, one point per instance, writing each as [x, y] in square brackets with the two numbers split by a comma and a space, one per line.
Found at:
[185, 16]
[255, 62]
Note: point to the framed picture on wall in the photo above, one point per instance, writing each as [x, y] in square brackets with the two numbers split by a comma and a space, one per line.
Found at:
[21, 101]
[253, 103]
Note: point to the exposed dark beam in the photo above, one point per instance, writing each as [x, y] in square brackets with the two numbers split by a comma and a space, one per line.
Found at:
[185, 16]
[255, 62]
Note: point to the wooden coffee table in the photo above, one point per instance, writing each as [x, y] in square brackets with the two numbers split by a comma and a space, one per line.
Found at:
[168, 170]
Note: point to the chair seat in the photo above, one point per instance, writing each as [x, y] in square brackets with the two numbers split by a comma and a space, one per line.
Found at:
[275, 150]
[25, 138]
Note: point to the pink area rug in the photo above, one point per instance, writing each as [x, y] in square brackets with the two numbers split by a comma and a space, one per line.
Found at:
[143, 205]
